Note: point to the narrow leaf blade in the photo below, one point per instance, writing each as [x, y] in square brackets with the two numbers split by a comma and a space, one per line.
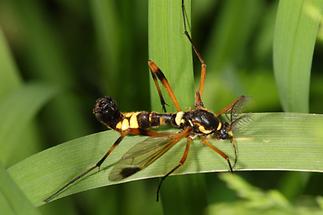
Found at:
[17, 110]
[294, 39]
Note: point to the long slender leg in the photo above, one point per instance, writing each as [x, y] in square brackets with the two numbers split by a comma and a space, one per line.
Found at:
[221, 153]
[157, 73]
[198, 100]
[234, 145]
[181, 162]
[115, 144]
[97, 165]
[196, 51]
[162, 100]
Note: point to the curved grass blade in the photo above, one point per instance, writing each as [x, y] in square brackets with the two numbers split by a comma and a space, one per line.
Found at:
[16, 111]
[295, 34]
[271, 141]
[170, 50]
[10, 81]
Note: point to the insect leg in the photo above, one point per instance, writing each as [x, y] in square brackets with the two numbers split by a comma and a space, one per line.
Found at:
[221, 153]
[114, 145]
[198, 100]
[157, 73]
[181, 162]
[97, 165]
[162, 100]
[234, 144]
[199, 56]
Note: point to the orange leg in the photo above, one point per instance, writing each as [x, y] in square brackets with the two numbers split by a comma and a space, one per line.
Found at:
[221, 153]
[157, 73]
[199, 102]
[181, 162]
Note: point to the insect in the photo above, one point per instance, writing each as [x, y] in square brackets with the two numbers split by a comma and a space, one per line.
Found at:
[196, 123]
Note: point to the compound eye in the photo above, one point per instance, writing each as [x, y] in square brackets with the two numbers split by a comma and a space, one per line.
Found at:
[224, 134]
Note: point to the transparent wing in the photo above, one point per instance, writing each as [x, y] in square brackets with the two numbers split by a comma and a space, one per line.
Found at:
[141, 155]
[236, 109]
[234, 112]
[234, 117]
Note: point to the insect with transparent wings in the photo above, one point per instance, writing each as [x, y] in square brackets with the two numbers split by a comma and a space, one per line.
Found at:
[196, 123]
[151, 149]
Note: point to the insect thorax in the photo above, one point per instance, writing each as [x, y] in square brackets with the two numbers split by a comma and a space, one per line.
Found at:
[202, 121]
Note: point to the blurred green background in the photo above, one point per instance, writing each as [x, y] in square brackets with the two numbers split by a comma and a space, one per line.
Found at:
[81, 50]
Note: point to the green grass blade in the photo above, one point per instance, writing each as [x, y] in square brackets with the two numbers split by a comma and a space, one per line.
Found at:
[16, 111]
[172, 51]
[272, 141]
[295, 34]
[169, 48]
[12, 200]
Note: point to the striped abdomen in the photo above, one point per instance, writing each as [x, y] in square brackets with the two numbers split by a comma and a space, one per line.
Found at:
[144, 120]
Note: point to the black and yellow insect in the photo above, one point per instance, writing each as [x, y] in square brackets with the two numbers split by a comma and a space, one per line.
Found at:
[195, 123]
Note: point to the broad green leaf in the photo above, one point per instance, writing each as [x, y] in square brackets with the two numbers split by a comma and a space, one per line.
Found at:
[12, 200]
[16, 111]
[296, 29]
[270, 141]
